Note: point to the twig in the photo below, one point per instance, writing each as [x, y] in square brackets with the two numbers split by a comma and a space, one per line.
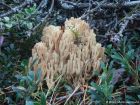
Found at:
[5, 5]
[123, 26]
[59, 78]
[71, 5]
[65, 97]
[40, 5]
[14, 10]
[75, 94]
[84, 98]
[116, 38]
[45, 18]
[71, 94]
[68, 5]
[115, 5]
[91, 11]
[125, 23]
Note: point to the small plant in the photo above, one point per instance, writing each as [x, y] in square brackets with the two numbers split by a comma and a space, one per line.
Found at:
[119, 81]
[101, 91]
[28, 89]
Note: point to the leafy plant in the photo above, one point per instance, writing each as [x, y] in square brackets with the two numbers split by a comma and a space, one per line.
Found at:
[28, 89]
[102, 92]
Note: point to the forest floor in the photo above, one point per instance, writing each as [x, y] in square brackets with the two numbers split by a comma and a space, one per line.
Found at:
[116, 24]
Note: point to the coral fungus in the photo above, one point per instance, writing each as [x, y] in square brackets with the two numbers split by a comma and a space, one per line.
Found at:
[72, 52]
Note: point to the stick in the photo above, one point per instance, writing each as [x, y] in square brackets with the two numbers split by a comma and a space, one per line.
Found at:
[14, 10]
[71, 5]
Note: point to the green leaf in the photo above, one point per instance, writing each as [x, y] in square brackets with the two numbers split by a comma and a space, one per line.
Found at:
[139, 97]
[1, 23]
[8, 25]
[135, 89]
[24, 63]
[130, 54]
[106, 90]
[117, 57]
[103, 77]
[7, 19]
[19, 89]
[102, 64]
[29, 103]
[37, 103]
[95, 86]
[69, 89]
[31, 75]
[39, 74]
[130, 98]
[30, 10]
[43, 99]
[29, 25]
